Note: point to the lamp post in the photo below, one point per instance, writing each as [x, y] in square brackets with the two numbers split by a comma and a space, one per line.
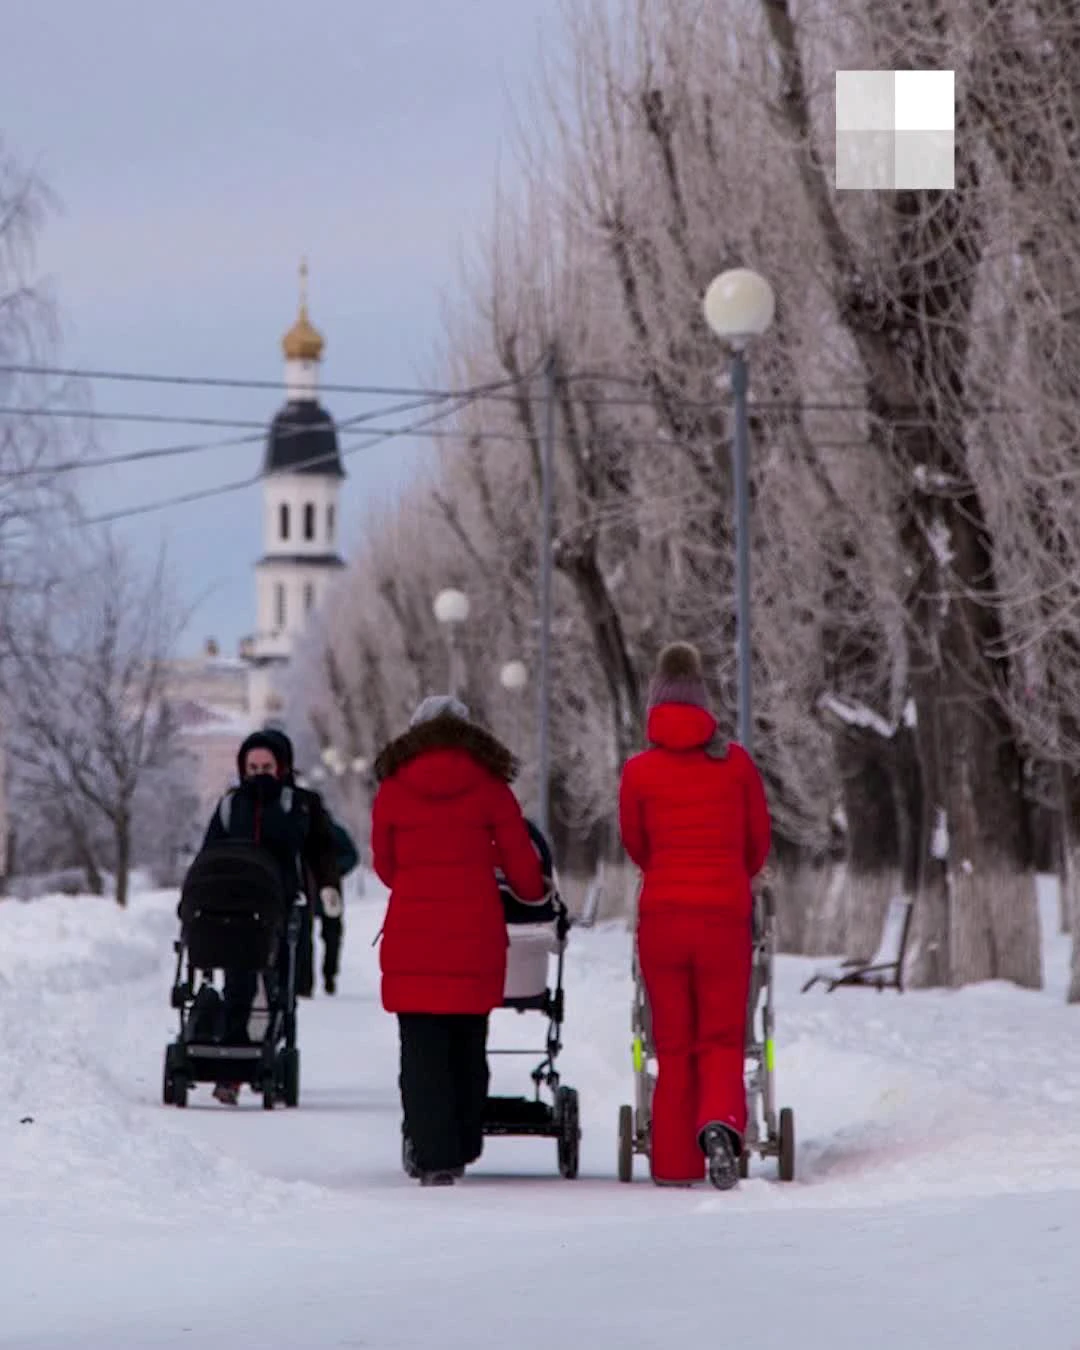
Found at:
[739, 306]
[546, 598]
[451, 609]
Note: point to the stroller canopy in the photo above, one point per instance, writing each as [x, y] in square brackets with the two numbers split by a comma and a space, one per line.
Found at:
[232, 906]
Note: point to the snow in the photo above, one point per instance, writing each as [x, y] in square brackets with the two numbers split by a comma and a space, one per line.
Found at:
[939, 841]
[854, 714]
[940, 540]
[939, 1172]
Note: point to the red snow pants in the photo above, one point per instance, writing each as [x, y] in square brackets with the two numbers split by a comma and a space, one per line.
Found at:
[696, 968]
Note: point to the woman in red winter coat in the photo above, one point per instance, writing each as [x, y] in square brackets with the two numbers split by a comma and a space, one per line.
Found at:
[693, 817]
[443, 820]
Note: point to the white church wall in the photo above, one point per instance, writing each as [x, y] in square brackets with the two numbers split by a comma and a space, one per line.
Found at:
[300, 492]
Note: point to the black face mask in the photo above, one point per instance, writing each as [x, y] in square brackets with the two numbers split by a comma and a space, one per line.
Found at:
[263, 787]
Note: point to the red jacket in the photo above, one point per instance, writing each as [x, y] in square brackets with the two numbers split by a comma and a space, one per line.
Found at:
[443, 819]
[696, 824]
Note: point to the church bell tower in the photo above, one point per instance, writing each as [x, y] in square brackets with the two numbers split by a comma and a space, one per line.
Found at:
[302, 476]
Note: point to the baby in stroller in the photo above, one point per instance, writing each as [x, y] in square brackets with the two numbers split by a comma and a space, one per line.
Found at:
[235, 916]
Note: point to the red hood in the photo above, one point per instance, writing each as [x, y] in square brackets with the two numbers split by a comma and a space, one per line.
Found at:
[680, 726]
[440, 774]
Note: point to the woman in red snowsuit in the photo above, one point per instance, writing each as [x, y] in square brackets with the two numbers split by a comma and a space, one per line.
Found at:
[443, 820]
[693, 817]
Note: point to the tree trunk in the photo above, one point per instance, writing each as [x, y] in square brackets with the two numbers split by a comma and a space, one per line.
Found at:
[872, 846]
[122, 841]
[1063, 852]
[979, 918]
[95, 882]
[1073, 902]
[605, 624]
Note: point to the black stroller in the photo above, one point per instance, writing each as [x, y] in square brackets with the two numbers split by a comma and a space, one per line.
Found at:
[537, 932]
[234, 914]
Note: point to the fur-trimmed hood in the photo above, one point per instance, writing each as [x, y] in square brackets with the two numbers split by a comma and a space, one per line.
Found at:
[442, 734]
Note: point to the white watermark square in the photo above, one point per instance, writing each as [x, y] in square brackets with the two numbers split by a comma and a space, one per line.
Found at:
[895, 130]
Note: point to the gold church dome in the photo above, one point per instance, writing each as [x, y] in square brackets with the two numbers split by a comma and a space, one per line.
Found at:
[303, 341]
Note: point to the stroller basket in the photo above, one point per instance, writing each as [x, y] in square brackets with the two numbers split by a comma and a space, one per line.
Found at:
[232, 909]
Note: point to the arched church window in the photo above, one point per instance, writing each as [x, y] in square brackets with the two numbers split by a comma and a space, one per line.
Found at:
[309, 597]
[309, 520]
[330, 523]
[279, 605]
[283, 519]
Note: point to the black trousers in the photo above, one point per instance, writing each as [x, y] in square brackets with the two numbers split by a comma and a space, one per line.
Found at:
[305, 954]
[444, 1083]
[239, 993]
[333, 930]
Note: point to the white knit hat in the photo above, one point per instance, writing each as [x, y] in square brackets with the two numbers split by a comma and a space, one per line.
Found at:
[439, 705]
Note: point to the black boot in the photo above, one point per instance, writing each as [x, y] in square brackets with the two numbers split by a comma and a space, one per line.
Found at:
[722, 1147]
[437, 1178]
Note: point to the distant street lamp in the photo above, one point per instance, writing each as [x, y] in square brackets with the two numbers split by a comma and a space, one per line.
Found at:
[350, 775]
[514, 676]
[451, 609]
[740, 306]
[331, 757]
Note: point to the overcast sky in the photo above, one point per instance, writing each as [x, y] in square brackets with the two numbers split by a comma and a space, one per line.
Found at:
[198, 150]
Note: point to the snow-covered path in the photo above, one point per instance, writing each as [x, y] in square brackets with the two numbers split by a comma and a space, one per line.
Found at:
[938, 1200]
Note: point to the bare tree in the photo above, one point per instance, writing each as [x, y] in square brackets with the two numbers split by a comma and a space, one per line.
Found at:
[83, 670]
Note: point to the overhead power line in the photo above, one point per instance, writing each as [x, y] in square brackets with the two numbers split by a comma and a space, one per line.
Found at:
[285, 433]
[228, 382]
[238, 485]
[494, 389]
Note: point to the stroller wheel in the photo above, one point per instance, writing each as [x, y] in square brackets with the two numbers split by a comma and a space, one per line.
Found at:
[787, 1144]
[568, 1117]
[269, 1095]
[179, 1090]
[626, 1143]
[290, 1077]
[173, 1060]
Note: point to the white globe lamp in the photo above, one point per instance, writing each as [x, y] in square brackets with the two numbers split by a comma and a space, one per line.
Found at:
[514, 676]
[739, 305]
[451, 607]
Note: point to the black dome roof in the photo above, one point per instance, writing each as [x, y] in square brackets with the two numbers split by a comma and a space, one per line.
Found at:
[303, 439]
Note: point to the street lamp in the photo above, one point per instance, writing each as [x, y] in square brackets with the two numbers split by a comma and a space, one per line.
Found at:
[514, 676]
[451, 610]
[739, 306]
[331, 757]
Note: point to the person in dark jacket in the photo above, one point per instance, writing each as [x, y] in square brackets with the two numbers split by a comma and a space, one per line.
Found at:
[333, 921]
[258, 811]
[444, 818]
[694, 818]
[321, 876]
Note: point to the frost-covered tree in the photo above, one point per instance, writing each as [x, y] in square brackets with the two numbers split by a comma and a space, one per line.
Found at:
[915, 521]
[82, 666]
